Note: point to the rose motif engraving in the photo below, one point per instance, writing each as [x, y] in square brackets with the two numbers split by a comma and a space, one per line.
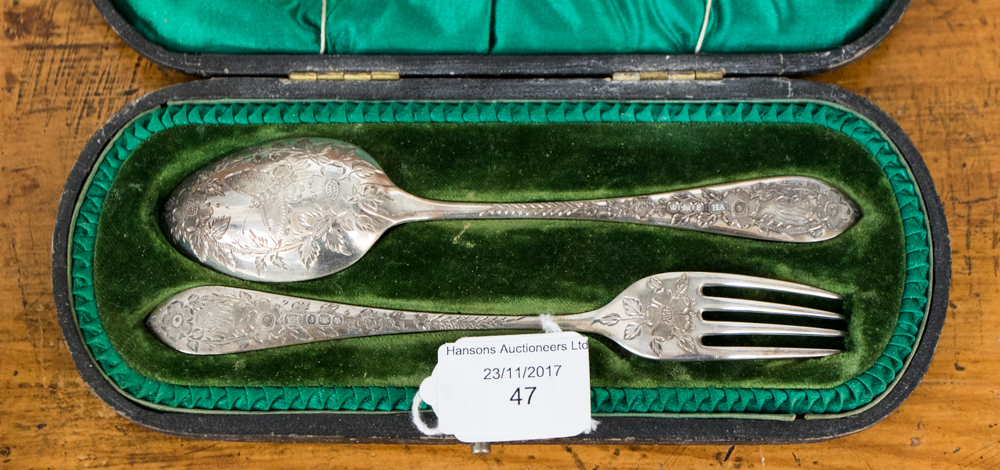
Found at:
[833, 211]
[196, 211]
[200, 229]
[368, 321]
[233, 320]
[796, 208]
[643, 207]
[326, 185]
[669, 315]
[742, 208]
[303, 213]
[260, 318]
[636, 208]
[178, 321]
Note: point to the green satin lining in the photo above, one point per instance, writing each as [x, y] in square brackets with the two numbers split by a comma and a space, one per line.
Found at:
[673, 27]
[500, 26]
[852, 394]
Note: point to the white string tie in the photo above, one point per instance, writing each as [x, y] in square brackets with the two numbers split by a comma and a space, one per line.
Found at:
[415, 412]
[704, 26]
[548, 324]
[322, 30]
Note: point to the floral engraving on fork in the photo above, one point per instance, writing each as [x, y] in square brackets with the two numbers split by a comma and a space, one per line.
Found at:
[344, 196]
[240, 321]
[794, 208]
[670, 314]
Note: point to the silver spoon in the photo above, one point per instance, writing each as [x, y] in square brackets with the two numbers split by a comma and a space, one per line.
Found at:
[659, 317]
[295, 210]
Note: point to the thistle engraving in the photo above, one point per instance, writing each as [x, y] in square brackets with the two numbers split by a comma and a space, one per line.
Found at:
[799, 209]
[670, 314]
[234, 320]
[303, 196]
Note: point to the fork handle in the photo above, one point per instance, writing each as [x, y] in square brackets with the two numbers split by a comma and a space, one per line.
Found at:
[221, 320]
[790, 209]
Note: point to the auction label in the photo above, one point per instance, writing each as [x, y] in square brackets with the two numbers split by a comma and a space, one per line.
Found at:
[511, 388]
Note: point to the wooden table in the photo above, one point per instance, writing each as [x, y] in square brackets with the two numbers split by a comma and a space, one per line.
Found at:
[65, 73]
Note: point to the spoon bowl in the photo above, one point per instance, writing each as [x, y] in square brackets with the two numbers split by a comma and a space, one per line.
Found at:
[295, 210]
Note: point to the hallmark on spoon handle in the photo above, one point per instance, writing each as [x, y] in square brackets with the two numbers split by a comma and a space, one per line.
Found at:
[792, 209]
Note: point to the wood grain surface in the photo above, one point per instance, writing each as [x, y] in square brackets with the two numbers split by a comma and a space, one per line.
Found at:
[65, 73]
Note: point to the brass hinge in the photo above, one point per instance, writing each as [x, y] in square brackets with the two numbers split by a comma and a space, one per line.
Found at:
[667, 75]
[352, 76]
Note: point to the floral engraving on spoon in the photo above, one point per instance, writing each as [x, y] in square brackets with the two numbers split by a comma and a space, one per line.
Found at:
[297, 210]
[793, 208]
[341, 193]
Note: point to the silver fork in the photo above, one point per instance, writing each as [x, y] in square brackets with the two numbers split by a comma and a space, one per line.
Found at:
[658, 317]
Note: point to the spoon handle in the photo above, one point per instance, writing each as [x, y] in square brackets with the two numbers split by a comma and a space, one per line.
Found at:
[791, 209]
[220, 320]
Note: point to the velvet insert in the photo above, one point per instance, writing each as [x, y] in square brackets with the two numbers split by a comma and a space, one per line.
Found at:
[500, 26]
[122, 266]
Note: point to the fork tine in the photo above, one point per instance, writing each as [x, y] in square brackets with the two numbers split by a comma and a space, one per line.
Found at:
[720, 304]
[725, 352]
[727, 328]
[750, 282]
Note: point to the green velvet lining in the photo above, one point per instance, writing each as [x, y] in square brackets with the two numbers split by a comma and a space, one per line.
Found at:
[501, 26]
[866, 264]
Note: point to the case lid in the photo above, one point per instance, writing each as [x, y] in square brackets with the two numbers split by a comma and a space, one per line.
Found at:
[507, 38]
